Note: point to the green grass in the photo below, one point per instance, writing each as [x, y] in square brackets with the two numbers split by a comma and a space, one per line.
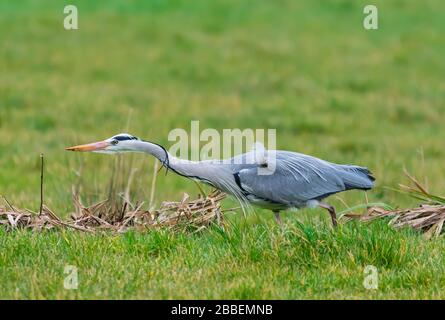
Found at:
[305, 68]
[245, 261]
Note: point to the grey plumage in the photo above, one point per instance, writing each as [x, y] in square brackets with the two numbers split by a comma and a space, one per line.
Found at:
[295, 180]
[300, 178]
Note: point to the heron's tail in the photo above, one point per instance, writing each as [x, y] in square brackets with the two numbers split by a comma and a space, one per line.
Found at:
[355, 177]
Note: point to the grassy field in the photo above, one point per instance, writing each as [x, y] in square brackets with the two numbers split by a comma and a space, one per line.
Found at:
[305, 68]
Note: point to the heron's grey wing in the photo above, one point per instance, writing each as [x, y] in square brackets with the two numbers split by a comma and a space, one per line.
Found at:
[297, 178]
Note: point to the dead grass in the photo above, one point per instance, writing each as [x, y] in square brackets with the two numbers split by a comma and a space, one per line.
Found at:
[426, 218]
[187, 214]
[429, 217]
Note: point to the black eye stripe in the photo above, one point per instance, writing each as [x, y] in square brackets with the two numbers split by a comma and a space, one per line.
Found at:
[123, 138]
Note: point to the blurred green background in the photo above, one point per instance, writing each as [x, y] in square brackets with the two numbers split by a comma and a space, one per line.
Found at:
[308, 69]
[305, 68]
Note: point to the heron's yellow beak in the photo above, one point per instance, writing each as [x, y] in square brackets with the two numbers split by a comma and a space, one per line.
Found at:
[90, 147]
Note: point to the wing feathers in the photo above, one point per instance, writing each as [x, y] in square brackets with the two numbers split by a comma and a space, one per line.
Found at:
[299, 178]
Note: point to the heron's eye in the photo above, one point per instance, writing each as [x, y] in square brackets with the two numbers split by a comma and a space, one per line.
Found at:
[114, 142]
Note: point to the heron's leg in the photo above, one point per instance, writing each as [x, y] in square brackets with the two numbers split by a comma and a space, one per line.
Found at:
[331, 210]
[277, 217]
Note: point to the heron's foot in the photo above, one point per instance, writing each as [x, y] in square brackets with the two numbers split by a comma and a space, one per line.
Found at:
[331, 211]
[278, 218]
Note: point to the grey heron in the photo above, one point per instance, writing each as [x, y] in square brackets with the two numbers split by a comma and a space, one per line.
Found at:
[296, 181]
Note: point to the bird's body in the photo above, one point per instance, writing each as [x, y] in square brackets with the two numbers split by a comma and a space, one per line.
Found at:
[275, 180]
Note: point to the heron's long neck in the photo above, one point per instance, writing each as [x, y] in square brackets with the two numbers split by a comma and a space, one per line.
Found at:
[154, 149]
[181, 166]
[210, 172]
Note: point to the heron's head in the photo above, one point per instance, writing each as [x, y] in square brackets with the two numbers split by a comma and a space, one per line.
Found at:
[122, 142]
